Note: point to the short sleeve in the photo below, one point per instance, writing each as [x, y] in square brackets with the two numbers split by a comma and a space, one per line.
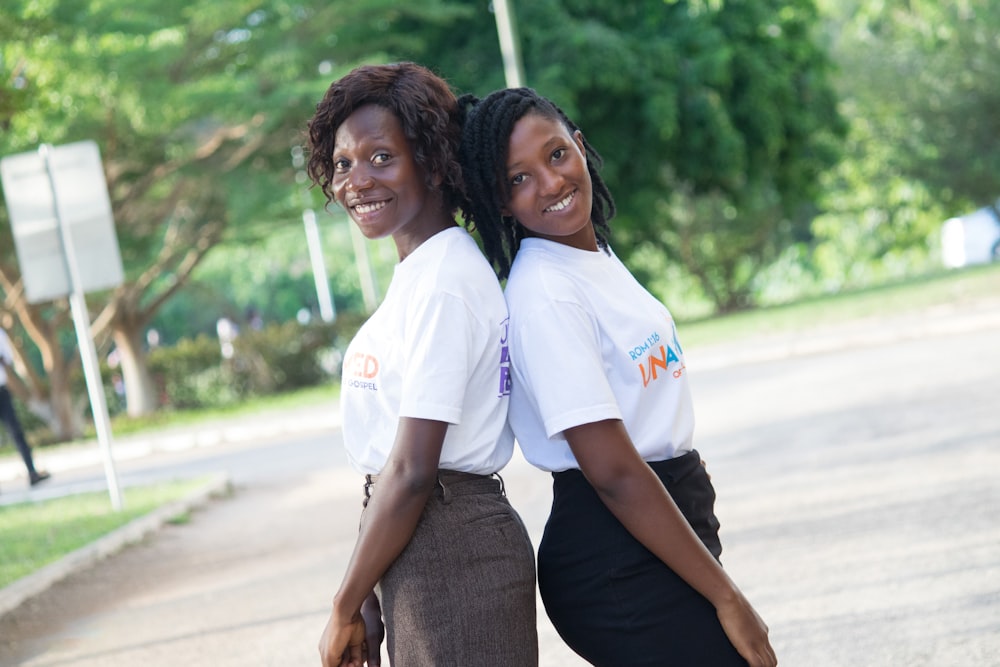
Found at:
[441, 334]
[557, 355]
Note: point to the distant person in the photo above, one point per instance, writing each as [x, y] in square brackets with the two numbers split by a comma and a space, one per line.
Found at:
[9, 416]
[628, 564]
[254, 319]
[424, 394]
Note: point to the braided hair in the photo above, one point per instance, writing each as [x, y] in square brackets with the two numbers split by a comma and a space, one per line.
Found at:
[486, 128]
[425, 107]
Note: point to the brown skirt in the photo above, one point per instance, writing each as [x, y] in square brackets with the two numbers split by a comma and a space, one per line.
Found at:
[463, 591]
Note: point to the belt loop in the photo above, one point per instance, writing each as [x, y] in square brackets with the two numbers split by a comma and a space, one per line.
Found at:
[445, 492]
[369, 482]
[503, 489]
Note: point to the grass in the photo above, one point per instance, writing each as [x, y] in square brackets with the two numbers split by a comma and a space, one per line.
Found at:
[35, 534]
[959, 287]
[123, 424]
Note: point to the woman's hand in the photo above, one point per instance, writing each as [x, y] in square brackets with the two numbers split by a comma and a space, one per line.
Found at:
[747, 632]
[630, 489]
[391, 517]
[342, 642]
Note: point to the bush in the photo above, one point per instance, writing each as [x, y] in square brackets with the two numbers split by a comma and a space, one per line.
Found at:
[274, 359]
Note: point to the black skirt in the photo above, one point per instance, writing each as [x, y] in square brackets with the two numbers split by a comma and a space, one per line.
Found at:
[609, 597]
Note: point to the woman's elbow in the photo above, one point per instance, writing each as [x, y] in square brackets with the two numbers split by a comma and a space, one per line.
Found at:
[608, 483]
[415, 480]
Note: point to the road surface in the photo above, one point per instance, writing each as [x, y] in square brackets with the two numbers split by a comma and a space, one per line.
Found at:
[858, 493]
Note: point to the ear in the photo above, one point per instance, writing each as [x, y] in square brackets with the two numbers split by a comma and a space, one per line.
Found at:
[436, 180]
[505, 212]
[578, 138]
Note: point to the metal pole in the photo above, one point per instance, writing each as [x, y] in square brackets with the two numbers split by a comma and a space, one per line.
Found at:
[326, 307]
[366, 273]
[88, 353]
[512, 68]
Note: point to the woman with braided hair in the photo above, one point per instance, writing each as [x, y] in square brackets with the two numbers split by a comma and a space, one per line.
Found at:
[628, 564]
[424, 394]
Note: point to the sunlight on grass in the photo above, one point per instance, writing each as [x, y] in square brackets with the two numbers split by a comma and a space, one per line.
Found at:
[34, 534]
[948, 289]
[123, 424]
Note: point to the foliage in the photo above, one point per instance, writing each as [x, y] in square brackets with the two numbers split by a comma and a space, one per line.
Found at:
[275, 359]
[929, 72]
[272, 278]
[715, 120]
[195, 107]
[322, 394]
[918, 83]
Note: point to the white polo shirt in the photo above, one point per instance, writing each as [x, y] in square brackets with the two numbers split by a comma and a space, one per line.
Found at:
[434, 349]
[589, 343]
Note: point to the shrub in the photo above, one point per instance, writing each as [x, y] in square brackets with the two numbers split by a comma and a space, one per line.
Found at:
[276, 358]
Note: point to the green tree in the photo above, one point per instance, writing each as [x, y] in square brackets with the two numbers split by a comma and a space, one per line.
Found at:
[717, 110]
[939, 74]
[919, 88]
[715, 119]
[195, 107]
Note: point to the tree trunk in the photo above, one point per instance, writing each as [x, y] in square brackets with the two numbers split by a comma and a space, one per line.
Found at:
[140, 390]
[55, 404]
[66, 419]
[48, 395]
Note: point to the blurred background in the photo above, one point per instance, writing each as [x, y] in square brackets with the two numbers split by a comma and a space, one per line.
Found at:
[761, 152]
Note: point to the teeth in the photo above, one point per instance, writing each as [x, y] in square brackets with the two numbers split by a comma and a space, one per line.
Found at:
[368, 208]
[558, 206]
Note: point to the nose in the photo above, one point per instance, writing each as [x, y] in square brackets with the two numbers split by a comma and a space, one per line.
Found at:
[359, 179]
[550, 181]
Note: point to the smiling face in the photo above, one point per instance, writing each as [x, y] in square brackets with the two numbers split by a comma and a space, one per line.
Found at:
[377, 180]
[551, 190]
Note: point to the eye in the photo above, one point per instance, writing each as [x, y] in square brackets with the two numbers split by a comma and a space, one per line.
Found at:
[558, 154]
[517, 179]
[380, 158]
[341, 165]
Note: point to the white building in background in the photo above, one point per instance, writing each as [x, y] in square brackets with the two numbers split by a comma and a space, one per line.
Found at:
[971, 239]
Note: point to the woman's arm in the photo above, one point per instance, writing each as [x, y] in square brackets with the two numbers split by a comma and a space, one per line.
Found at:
[633, 493]
[404, 486]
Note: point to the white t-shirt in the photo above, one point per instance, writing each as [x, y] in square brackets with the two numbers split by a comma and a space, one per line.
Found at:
[589, 343]
[434, 349]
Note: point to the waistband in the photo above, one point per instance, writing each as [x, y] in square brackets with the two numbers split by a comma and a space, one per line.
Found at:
[453, 483]
[669, 470]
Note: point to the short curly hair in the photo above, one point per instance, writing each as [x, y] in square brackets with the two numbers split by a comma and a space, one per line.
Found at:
[426, 109]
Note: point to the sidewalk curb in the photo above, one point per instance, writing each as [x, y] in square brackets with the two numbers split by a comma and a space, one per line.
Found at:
[130, 447]
[12, 595]
[859, 335]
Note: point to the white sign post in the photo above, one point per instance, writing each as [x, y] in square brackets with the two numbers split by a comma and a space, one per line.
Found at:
[327, 311]
[64, 235]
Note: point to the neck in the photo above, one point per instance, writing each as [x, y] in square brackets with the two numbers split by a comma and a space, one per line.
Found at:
[407, 242]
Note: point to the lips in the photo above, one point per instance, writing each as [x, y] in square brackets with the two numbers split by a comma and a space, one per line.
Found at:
[369, 207]
[561, 204]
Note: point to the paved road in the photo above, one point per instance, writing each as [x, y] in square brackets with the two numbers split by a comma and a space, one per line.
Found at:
[858, 490]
